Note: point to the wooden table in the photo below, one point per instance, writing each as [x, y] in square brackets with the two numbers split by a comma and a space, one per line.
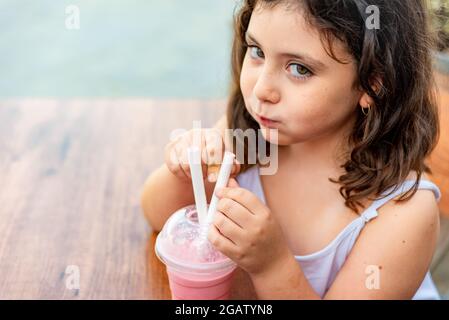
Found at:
[71, 173]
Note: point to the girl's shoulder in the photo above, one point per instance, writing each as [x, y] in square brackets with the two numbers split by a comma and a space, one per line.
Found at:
[421, 206]
[423, 202]
[422, 195]
[400, 241]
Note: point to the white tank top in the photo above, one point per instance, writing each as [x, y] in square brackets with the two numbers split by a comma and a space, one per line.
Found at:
[321, 267]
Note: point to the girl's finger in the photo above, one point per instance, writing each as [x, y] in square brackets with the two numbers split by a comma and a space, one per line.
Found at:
[212, 172]
[245, 198]
[183, 160]
[170, 157]
[236, 212]
[228, 228]
[220, 242]
[215, 153]
[203, 155]
[235, 168]
[176, 164]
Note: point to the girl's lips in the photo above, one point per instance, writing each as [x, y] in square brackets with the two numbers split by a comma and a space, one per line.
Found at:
[266, 122]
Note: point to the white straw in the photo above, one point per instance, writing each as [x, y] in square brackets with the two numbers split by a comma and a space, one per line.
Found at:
[194, 156]
[222, 181]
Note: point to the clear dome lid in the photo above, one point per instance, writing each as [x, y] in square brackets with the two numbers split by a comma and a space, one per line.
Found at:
[182, 244]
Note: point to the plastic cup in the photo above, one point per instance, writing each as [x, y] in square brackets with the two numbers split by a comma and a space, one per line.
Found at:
[195, 269]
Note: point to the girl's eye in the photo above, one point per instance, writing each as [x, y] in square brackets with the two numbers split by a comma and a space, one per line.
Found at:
[299, 71]
[255, 52]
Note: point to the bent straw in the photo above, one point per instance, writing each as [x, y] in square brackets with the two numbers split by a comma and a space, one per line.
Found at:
[194, 156]
[222, 181]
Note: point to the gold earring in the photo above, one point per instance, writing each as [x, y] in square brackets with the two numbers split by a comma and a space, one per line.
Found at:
[366, 112]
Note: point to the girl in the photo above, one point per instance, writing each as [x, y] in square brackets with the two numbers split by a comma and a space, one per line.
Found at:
[350, 212]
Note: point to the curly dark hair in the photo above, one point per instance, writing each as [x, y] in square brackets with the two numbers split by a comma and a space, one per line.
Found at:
[402, 128]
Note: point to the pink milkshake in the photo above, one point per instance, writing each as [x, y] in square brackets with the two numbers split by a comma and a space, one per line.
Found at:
[196, 270]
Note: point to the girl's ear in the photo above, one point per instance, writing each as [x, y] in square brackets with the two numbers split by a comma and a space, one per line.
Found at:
[365, 99]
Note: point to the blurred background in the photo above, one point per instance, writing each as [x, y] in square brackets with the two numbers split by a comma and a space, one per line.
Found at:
[146, 48]
[141, 48]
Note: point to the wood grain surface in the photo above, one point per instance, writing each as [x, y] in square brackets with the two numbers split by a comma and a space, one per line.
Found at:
[71, 174]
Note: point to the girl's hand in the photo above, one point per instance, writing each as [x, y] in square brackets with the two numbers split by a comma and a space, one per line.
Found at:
[212, 149]
[245, 230]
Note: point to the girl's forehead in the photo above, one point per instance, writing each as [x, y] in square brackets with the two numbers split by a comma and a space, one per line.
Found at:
[282, 19]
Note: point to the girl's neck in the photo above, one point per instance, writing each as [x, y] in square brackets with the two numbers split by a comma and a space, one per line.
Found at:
[327, 152]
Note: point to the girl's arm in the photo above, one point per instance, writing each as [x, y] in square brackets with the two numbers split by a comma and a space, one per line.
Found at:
[393, 252]
[389, 259]
[164, 193]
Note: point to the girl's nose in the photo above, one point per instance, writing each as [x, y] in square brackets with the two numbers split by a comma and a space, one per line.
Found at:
[265, 90]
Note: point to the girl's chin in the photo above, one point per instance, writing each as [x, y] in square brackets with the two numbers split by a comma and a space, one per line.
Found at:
[274, 136]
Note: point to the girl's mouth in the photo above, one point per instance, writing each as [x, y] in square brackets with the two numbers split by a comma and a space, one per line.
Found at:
[266, 122]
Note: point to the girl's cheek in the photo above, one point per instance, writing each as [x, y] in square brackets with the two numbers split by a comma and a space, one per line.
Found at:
[305, 113]
[245, 80]
[248, 77]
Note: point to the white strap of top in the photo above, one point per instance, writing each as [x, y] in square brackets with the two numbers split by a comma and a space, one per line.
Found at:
[371, 211]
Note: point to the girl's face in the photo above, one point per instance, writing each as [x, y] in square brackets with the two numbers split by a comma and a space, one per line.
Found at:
[288, 77]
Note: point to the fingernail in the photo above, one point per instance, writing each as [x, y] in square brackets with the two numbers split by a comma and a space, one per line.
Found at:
[211, 177]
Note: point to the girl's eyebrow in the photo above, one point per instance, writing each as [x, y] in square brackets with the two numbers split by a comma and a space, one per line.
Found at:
[317, 65]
